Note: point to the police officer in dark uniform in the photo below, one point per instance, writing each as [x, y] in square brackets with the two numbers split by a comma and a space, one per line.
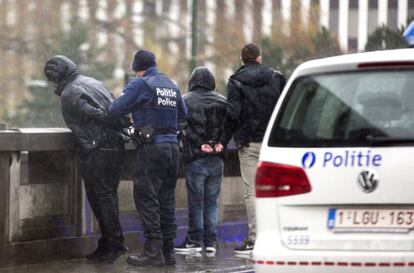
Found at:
[156, 106]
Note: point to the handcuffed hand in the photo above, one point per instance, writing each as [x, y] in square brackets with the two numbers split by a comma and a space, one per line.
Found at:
[218, 148]
[206, 148]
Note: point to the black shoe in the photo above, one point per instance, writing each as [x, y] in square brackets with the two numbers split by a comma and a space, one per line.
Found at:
[94, 255]
[168, 251]
[188, 246]
[245, 248]
[152, 254]
[145, 260]
[123, 248]
[112, 254]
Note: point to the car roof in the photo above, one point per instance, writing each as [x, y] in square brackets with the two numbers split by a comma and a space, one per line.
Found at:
[350, 62]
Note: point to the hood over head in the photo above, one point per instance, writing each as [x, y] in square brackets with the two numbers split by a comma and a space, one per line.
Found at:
[201, 79]
[253, 74]
[60, 69]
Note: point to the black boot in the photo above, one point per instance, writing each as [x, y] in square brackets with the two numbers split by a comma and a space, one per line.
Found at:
[151, 255]
[168, 251]
[94, 255]
[112, 253]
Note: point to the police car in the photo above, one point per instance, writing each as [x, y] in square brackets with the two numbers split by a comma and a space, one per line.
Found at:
[335, 180]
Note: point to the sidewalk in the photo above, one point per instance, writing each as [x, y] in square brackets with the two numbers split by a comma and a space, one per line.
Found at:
[223, 261]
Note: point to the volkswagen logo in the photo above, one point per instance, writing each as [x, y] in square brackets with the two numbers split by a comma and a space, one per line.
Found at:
[368, 181]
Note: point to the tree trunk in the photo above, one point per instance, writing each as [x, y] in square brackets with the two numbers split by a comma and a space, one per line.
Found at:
[128, 32]
[201, 29]
[277, 19]
[257, 20]
[74, 7]
[314, 12]
[182, 64]
[295, 23]
[92, 10]
[150, 20]
[239, 14]
[110, 43]
[165, 30]
[4, 56]
[220, 44]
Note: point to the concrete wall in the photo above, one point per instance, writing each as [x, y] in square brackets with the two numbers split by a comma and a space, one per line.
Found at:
[44, 214]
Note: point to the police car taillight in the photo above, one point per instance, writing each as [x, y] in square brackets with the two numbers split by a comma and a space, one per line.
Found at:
[277, 180]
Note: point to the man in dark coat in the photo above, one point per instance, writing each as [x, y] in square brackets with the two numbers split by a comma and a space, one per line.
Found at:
[98, 144]
[156, 106]
[205, 138]
[253, 91]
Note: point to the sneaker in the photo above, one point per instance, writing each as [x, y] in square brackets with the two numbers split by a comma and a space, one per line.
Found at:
[211, 248]
[210, 254]
[188, 246]
[245, 248]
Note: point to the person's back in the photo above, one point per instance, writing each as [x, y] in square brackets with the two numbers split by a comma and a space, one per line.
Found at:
[204, 140]
[157, 107]
[206, 114]
[253, 91]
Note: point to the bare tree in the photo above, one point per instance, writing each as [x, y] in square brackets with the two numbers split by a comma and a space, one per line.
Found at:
[20, 58]
[296, 22]
[128, 32]
[277, 19]
[4, 58]
[219, 32]
[74, 7]
[314, 12]
[257, 20]
[202, 25]
[165, 35]
[92, 10]
[182, 61]
[150, 20]
[110, 44]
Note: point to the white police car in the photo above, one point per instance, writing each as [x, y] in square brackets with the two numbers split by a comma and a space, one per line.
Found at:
[335, 182]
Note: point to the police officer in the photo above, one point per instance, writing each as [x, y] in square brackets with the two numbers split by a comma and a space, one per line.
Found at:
[156, 106]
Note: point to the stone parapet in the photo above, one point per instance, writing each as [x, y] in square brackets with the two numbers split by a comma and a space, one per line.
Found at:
[43, 204]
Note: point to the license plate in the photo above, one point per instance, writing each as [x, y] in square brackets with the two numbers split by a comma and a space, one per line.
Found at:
[371, 219]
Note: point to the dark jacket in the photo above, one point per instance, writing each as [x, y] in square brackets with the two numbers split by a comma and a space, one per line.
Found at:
[84, 103]
[206, 114]
[252, 95]
[153, 100]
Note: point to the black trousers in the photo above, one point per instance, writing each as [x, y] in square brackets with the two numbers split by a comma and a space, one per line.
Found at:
[155, 180]
[101, 170]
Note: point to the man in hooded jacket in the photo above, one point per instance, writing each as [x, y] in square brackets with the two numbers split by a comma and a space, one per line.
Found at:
[253, 91]
[205, 137]
[99, 146]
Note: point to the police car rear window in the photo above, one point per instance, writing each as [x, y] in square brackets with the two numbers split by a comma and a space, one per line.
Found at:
[347, 109]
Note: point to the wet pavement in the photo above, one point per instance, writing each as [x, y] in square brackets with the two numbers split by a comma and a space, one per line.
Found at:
[223, 261]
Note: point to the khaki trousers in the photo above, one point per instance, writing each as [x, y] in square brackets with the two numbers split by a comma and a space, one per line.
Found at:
[249, 158]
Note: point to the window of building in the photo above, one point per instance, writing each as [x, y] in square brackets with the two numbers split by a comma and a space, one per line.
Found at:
[373, 4]
[353, 4]
[334, 4]
[393, 4]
